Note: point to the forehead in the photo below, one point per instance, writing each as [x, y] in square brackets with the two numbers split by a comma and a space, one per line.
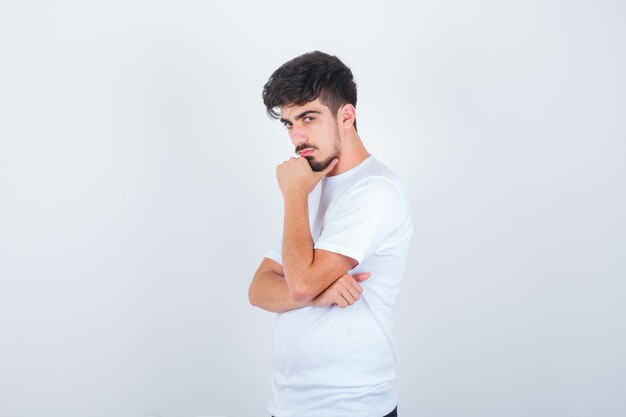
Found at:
[289, 111]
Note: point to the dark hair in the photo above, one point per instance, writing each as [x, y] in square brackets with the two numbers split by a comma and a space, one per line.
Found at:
[307, 77]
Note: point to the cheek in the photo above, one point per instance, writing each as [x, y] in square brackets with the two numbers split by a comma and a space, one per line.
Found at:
[325, 136]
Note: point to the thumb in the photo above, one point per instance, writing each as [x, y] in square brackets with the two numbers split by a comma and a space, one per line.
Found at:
[361, 276]
[329, 168]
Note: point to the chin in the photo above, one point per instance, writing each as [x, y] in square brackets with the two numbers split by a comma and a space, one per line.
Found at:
[318, 166]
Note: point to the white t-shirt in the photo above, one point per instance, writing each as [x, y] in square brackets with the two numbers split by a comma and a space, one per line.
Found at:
[339, 362]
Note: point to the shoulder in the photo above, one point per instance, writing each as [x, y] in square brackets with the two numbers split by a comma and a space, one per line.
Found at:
[376, 186]
[374, 196]
[377, 180]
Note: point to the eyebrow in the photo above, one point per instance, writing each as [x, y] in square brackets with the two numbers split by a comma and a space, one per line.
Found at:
[301, 115]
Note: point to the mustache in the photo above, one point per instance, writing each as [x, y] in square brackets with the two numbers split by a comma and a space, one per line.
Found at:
[305, 146]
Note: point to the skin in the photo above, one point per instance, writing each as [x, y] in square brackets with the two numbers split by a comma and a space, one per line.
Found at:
[308, 276]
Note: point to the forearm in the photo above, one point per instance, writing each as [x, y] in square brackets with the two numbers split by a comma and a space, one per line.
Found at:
[298, 252]
[269, 291]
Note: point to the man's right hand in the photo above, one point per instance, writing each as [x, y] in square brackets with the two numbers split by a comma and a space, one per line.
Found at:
[343, 292]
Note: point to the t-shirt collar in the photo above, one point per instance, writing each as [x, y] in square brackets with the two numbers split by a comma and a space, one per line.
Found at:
[350, 172]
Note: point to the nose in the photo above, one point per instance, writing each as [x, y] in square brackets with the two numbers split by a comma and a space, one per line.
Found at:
[298, 137]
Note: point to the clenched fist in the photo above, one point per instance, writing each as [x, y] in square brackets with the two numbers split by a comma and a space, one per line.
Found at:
[296, 176]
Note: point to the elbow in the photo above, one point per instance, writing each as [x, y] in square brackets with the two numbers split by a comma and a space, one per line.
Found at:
[301, 293]
[252, 296]
[300, 289]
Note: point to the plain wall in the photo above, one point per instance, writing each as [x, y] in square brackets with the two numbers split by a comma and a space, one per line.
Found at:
[138, 197]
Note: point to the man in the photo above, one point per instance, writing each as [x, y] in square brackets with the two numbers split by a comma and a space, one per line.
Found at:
[334, 277]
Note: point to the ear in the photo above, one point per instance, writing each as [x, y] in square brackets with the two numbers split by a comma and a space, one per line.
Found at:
[347, 115]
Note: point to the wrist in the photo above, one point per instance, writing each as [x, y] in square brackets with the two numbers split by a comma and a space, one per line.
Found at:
[296, 196]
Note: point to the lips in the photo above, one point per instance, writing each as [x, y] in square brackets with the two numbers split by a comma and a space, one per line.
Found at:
[306, 152]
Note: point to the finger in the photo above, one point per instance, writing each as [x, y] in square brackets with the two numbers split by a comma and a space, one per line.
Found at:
[361, 276]
[337, 297]
[348, 294]
[345, 302]
[341, 302]
[354, 290]
[357, 289]
[350, 283]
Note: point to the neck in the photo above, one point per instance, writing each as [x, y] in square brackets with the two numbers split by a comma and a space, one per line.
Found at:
[353, 152]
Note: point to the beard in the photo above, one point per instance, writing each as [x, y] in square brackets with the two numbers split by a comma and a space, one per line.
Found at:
[318, 166]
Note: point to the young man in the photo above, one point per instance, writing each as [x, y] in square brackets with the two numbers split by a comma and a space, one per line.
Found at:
[334, 277]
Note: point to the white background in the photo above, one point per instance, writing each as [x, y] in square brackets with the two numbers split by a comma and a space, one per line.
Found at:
[138, 197]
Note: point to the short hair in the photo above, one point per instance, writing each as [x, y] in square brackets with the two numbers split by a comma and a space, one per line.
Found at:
[308, 77]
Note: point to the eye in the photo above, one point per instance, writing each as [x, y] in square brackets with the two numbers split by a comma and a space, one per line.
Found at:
[309, 119]
[287, 125]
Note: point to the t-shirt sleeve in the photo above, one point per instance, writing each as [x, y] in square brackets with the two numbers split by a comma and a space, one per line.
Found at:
[363, 219]
[275, 252]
